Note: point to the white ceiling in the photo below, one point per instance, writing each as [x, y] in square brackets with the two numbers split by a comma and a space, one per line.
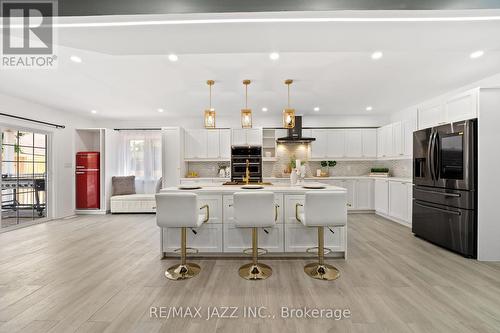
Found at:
[125, 72]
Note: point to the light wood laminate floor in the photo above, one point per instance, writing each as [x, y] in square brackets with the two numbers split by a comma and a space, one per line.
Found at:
[103, 273]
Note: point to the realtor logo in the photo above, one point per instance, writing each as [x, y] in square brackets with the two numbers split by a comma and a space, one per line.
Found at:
[28, 34]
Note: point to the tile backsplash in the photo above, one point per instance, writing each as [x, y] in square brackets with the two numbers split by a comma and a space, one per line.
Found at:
[284, 153]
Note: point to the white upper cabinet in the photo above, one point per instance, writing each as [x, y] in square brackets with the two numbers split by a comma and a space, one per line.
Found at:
[213, 144]
[195, 145]
[254, 137]
[397, 139]
[210, 144]
[225, 144]
[336, 143]
[408, 129]
[462, 107]
[459, 107]
[353, 143]
[247, 136]
[339, 143]
[431, 115]
[369, 140]
[319, 147]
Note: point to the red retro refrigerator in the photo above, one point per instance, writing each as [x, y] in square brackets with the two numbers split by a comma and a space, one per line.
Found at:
[87, 180]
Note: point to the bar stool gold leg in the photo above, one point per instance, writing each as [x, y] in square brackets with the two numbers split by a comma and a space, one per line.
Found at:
[184, 270]
[320, 270]
[255, 270]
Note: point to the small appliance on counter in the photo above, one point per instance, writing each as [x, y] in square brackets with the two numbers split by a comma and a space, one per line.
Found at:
[88, 191]
[445, 186]
[243, 158]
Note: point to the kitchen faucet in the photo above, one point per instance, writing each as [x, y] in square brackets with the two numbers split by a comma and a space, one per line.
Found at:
[246, 179]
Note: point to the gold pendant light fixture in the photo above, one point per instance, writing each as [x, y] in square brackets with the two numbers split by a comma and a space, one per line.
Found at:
[288, 113]
[246, 113]
[210, 113]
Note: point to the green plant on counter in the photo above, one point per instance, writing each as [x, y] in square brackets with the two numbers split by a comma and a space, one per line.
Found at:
[324, 164]
[384, 170]
[331, 164]
[293, 162]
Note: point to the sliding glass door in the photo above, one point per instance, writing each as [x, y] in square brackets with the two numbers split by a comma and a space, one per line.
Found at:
[24, 177]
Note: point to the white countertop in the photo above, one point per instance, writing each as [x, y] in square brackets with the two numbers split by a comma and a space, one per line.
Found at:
[227, 189]
[316, 179]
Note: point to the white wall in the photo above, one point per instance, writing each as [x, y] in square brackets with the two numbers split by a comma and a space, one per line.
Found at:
[488, 160]
[61, 155]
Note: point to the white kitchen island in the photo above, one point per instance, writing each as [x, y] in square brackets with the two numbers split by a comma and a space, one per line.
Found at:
[220, 238]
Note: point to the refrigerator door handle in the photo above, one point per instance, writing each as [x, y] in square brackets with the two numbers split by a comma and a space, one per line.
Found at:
[429, 149]
[437, 157]
[455, 195]
[430, 153]
[439, 209]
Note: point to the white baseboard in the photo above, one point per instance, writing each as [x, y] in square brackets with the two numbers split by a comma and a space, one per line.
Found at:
[394, 219]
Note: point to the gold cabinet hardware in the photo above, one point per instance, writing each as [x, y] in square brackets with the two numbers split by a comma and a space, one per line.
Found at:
[207, 216]
[297, 211]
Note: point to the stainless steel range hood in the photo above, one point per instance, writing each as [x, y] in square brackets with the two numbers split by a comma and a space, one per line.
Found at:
[295, 134]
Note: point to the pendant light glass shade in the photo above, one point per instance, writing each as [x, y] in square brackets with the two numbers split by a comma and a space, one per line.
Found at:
[246, 113]
[246, 118]
[289, 118]
[210, 118]
[210, 113]
[288, 113]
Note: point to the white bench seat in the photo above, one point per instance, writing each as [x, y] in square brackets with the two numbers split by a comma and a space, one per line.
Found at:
[133, 203]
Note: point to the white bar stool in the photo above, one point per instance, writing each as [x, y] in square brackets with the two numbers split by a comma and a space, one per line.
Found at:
[180, 210]
[322, 209]
[255, 210]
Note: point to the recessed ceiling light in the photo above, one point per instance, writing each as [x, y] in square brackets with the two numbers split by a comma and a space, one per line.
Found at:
[316, 108]
[476, 54]
[377, 55]
[264, 109]
[160, 110]
[93, 111]
[274, 56]
[76, 59]
[369, 108]
[173, 57]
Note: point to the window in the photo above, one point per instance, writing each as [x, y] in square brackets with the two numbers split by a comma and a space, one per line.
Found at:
[140, 155]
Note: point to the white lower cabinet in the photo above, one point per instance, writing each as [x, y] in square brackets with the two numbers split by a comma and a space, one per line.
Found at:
[364, 194]
[393, 199]
[381, 196]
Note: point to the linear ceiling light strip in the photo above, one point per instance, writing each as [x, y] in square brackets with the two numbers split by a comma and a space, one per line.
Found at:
[281, 20]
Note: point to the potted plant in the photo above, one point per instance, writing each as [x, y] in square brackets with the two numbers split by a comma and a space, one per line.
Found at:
[331, 164]
[324, 168]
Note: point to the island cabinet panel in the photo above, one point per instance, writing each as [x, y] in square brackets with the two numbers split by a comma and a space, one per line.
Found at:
[214, 203]
[206, 238]
[238, 239]
[298, 238]
[229, 213]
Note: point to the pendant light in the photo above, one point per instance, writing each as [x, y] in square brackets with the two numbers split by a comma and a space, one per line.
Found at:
[288, 113]
[210, 113]
[246, 113]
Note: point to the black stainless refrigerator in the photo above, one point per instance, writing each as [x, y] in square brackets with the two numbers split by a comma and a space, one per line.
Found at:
[445, 186]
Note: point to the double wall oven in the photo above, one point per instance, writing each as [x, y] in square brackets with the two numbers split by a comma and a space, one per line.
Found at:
[445, 186]
[243, 156]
